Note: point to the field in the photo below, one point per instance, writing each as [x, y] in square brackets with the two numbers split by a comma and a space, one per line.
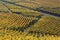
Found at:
[15, 21]
[3, 8]
[29, 20]
[46, 25]
[49, 6]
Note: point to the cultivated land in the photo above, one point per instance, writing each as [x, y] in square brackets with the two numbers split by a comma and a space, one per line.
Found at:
[29, 19]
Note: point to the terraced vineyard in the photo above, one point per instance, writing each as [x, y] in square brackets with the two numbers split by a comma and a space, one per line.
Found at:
[29, 20]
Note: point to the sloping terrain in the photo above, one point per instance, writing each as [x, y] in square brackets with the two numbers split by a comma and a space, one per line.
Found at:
[46, 25]
[52, 6]
[15, 20]
[30, 19]
[45, 3]
[43, 9]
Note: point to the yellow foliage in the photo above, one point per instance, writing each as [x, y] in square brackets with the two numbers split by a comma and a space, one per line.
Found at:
[14, 20]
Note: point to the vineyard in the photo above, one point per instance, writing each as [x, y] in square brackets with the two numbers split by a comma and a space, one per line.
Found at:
[46, 25]
[29, 20]
[14, 20]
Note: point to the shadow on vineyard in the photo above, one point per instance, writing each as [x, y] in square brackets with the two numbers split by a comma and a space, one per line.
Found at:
[20, 22]
[22, 29]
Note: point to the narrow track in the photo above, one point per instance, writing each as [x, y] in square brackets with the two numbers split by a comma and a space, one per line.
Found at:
[6, 7]
[43, 12]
